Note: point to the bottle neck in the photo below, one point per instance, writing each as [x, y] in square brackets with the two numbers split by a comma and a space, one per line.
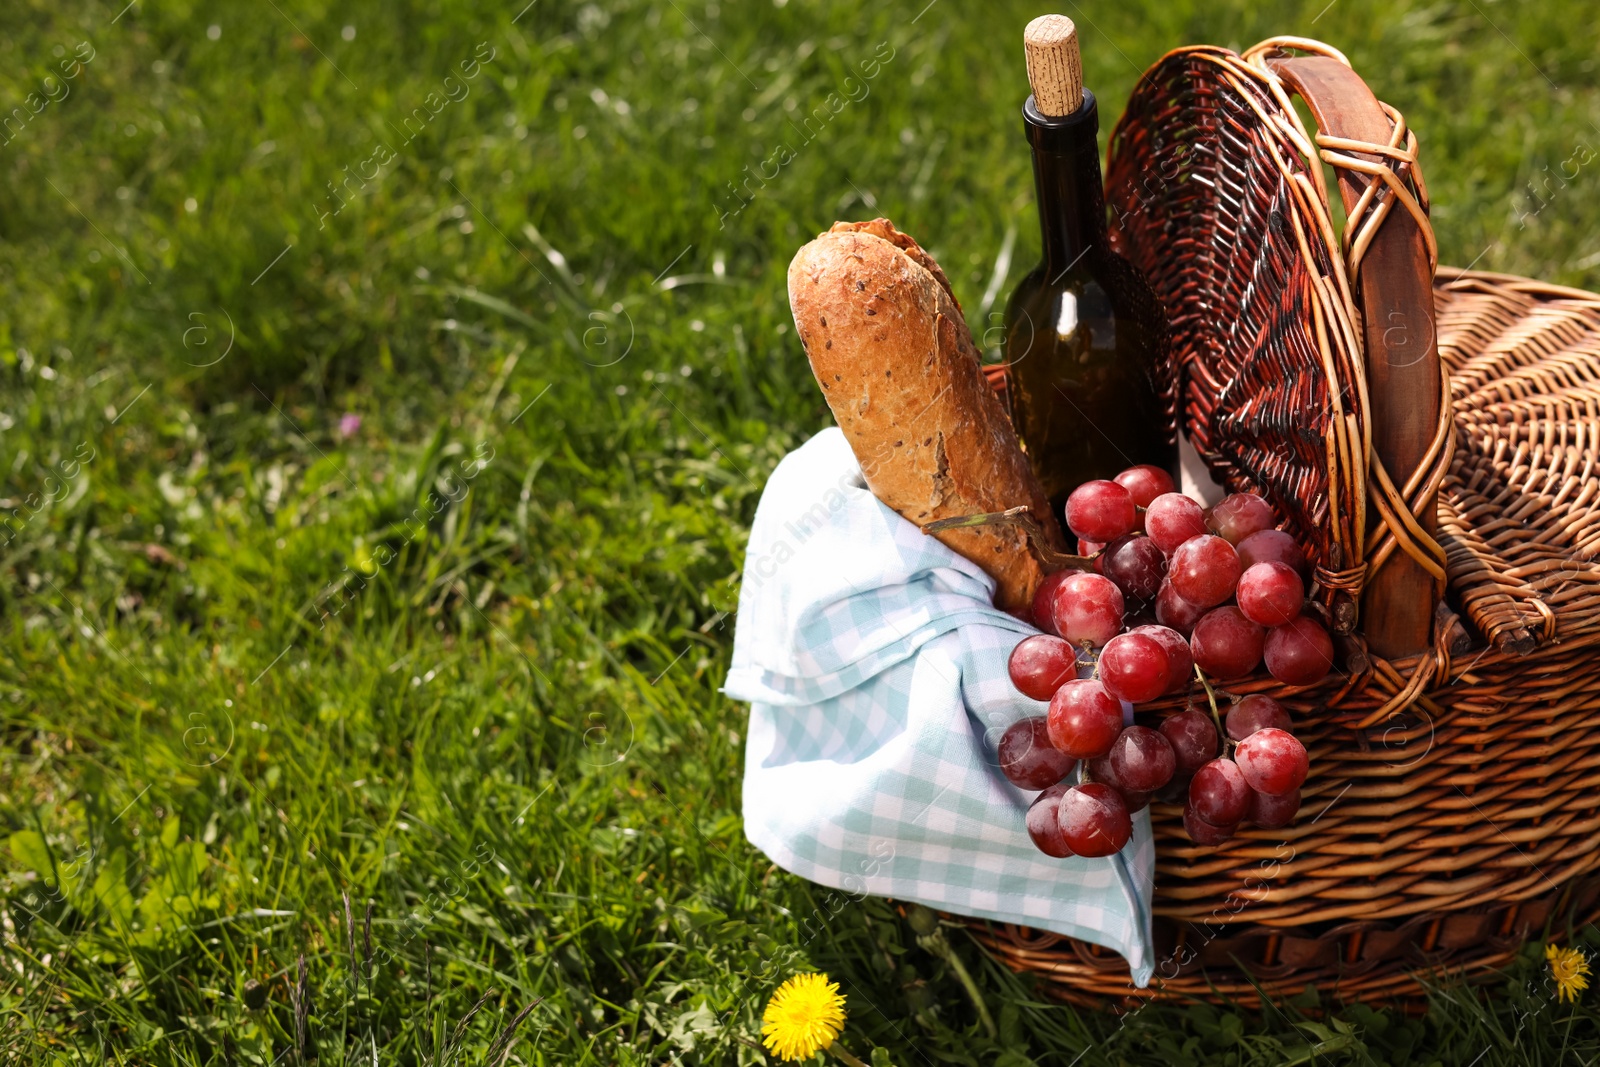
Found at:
[1066, 178]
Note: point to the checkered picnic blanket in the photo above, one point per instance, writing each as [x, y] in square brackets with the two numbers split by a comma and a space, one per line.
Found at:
[875, 667]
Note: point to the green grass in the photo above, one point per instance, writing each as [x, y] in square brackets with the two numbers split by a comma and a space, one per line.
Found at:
[508, 742]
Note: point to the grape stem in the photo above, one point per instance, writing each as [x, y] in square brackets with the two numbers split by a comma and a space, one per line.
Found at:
[1049, 558]
[1211, 697]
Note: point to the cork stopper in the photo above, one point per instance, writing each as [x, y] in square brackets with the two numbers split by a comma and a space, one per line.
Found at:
[1055, 69]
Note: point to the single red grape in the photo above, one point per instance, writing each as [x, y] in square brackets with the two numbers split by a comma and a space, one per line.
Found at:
[1272, 761]
[1039, 664]
[1135, 564]
[1101, 511]
[1274, 813]
[1226, 644]
[1174, 612]
[1180, 661]
[1202, 832]
[1272, 546]
[1133, 667]
[1144, 483]
[1300, 653]
[1044, 596]
[1193, 737]
[1028, 759]
[1094, 820]
[1254, 712]
[1240, 515]
[1142, 759]
[1219, 793]
[1204, 571]
[1171, 519]
[1087, 609]
[1084, 719]
[1044, 822]
[1271, 594]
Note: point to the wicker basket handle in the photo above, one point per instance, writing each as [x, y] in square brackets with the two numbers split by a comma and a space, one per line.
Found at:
[1390, 258]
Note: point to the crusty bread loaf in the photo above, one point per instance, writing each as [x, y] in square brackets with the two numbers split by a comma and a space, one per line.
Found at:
[895, 360]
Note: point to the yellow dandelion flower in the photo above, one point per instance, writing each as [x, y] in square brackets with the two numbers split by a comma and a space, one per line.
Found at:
[1570, 969]
[804, 1015]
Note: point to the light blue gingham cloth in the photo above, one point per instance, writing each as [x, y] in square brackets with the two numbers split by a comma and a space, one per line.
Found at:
[875, 666]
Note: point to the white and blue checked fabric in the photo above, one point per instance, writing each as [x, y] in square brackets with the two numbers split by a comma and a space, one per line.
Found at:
[875, 666]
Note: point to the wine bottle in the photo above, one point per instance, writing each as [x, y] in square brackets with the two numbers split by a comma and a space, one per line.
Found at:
[1085, 337]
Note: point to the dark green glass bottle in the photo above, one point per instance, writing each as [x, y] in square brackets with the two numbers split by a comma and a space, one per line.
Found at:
[1085, 337]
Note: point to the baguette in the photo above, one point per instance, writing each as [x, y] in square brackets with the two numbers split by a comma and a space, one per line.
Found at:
[892, 352]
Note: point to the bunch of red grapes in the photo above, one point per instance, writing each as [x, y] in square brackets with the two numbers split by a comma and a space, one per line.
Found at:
[1226, 590]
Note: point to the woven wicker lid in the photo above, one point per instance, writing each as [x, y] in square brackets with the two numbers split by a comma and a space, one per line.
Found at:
[1263, 303]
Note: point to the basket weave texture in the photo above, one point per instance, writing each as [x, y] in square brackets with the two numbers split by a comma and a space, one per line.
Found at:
[1453, 807]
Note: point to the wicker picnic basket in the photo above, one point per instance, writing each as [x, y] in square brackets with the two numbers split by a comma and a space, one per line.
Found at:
[1435, 444]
